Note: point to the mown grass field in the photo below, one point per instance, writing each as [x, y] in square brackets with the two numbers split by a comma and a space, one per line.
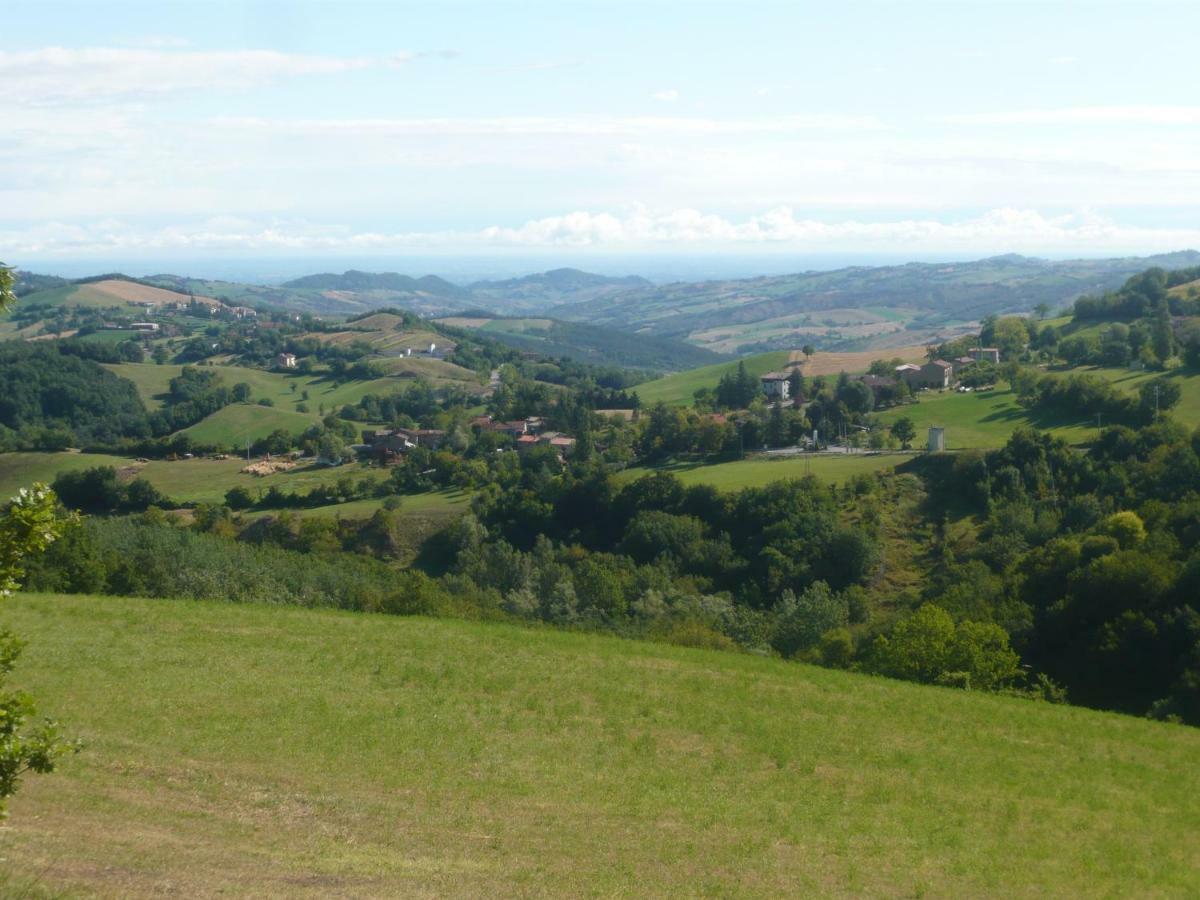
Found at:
[678, 389]
[760, 470]
[985, 419]
[982, 419]
[185, 481]
[272, 751]
[235, 425]
[432, 505]
[287, 391]
[1188, 410]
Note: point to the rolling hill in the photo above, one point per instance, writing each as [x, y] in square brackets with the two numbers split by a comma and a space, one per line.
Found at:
[856, 307]
[278, 751]
[587, 343]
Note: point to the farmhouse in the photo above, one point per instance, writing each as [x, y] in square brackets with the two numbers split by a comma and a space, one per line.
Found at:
[937, 374]
[775, 385]
[961, 362]
[285, 361]
[986, 354]
[145, 326]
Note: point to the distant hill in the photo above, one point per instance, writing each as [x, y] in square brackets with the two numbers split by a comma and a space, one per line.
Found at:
[30, 282]
[588, 343]
[536, 292]
[354, 280]
[857, 307]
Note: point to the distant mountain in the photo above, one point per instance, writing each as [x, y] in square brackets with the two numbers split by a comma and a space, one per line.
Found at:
[356, 281]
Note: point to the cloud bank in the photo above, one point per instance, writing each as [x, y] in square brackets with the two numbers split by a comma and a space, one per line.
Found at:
[681, 230]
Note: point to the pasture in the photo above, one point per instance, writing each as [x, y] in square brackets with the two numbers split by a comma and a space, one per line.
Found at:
[833, 468]
[276, 751]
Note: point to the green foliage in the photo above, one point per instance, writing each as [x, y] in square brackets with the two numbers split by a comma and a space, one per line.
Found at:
[801, 622]
[28, 526]
[928, 646]
[904, 431]
[43, 390]
[98, 490]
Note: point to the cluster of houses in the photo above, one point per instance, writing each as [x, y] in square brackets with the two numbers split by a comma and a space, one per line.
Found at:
[940, 374]
[390, 445]
[527, 433]
[937, 374]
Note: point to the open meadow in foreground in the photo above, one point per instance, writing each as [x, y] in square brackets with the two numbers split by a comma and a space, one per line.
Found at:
[272, 751]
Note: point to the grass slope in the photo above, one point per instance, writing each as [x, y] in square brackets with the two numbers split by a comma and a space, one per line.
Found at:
[982, 419]
[190, 480]
[760, 470]
[272, 751]
[238, 423]
[986, 419]
[678, 389]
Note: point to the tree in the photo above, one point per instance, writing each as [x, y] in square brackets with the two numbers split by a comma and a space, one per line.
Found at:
[929, 647]
[808, 350]
[29, 525]
[1042, 310]
[801, 621]
[904, 431]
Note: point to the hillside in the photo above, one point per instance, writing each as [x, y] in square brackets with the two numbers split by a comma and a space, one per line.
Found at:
[538, 291]
[588, 343]
[857, 307]
[275, 751]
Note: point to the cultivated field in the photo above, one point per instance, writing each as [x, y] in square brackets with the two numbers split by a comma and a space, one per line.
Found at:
[130, 292]
[834, 363]
[272, 751]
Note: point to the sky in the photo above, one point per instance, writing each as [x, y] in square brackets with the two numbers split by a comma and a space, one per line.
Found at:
[580, 131]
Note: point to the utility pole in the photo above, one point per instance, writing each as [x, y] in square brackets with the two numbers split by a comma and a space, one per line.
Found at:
[1156, 401]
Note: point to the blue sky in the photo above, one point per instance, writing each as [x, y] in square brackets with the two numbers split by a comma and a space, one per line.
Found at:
[384, 130]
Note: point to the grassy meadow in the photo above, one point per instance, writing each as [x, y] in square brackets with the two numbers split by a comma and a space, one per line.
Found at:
[273, 751]
[678, 389]
[186, 480]
[982, 419]
[760, 470]
[239, 423]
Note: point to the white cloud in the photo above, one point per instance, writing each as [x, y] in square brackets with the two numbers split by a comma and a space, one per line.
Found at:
[670, 95]
[560, 125]
[1063, 60]
[997, 230]
[403, 57]
[55, 75]
[1083, 115]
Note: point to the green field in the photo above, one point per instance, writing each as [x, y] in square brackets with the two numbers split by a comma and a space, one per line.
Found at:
[272, 751]
[235, 425]
[678, 389]
[429, 505]
[760, 470]
[152, 381]
[983, 419]
[1188, 410]
[287, 391]
[185, 481]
